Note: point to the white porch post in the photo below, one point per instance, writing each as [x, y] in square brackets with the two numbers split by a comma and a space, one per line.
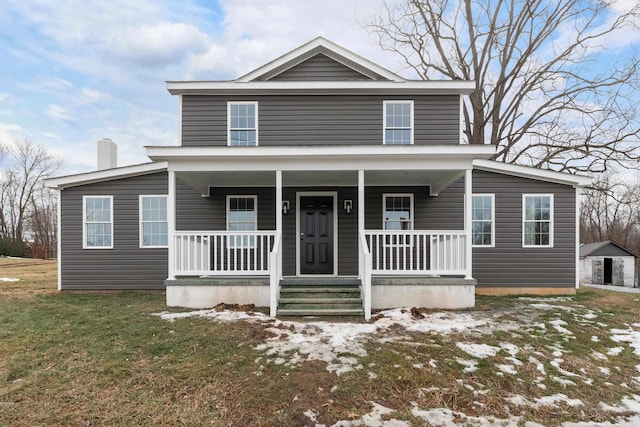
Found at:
[59, 242]
[279, 217]
[577, 237]
[360, 216]
[171, 225]
[468, 201]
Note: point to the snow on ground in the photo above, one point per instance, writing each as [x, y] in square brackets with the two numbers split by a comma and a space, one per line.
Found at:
[615, 288]
[341, 345]
[9, 279]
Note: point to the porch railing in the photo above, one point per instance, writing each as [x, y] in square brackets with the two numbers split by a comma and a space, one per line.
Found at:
[210, 253]
[427, 252]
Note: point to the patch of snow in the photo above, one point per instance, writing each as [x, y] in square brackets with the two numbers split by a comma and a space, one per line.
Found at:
[595, 338]
[374, 419]
[629, 336]
[479, 351]
[605, 371]
[512, 349]
[615, 351]
[311, 414]
[556, 364]
[444, 417]
[539, 365]
[563, 381]
[507, 369]
[560, 397]
[558, 325]
[471, 365]
[372, 375]
[598, 356]
[9, 279]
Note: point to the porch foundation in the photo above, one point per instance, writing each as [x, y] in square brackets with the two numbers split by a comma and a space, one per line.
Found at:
[209, 292]
[428, 292]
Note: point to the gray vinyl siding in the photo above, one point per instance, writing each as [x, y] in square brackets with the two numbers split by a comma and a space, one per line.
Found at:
[319, 68]
[126, 266]
[320, 120]
[508, 264]
[443, 212]
[197, 213]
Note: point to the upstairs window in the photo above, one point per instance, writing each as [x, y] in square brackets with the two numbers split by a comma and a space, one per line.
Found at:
[97, 217]
[482, 222]
[153, 222]
[242, 216]
[243, 124]
[398, 122]
[537, 220]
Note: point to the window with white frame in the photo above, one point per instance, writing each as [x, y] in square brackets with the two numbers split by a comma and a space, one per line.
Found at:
[243, 123]
[398, 122]
[242, 215]
[153, 222]
[537, 220]
[482, 220]
[97, 218]
[398, 211]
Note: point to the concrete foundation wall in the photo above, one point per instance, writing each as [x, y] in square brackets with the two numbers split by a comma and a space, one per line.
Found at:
[431, 296]
[209, 296]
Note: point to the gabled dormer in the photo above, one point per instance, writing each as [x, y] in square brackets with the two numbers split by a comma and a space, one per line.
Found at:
[320, 94]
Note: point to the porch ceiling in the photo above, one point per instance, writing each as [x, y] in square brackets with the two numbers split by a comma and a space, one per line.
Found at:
[437, 180]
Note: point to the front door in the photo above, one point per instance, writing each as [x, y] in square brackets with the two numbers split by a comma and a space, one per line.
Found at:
[316, 235]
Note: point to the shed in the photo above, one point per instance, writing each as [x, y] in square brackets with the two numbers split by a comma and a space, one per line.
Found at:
[607, 263]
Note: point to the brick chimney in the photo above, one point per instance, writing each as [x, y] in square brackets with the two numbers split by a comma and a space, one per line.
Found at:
[107, 154]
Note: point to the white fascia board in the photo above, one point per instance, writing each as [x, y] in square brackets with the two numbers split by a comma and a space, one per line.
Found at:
[313, 44]
[105, 175]
[425, 87]
[532, 173]
[436, 157]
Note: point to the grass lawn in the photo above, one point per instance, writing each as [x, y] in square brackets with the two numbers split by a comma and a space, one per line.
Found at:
[107, 360]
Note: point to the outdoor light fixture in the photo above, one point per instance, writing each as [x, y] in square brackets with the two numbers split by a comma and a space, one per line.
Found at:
[285, 207]
[348, 205]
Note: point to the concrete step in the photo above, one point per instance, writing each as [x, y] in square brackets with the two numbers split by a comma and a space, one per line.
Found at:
[319, 289]
[321, 300]
[320, 312]
[320, 281]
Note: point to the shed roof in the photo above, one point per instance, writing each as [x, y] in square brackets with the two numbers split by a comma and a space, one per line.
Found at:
[591, 249]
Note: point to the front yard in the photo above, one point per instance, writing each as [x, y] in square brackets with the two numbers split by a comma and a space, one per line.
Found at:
[122, 359]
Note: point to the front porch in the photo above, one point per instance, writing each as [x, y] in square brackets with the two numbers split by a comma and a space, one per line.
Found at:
[321, 212]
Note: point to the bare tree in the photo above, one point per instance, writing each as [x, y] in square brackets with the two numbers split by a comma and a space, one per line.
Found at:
[545, 94]
[23, 193]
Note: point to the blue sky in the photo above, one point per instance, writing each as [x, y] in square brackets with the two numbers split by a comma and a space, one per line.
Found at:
[74, 72]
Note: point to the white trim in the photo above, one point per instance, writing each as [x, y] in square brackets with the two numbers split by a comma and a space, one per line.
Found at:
[577, 242]
[255, 214]
[180, 119]
[231, 103]
[411, 208]
[362, 87]
[105, 175]
[84, 221]
[468, 192]
[384, 120]
[493, 219]
[140, 221]
[551, 219]
[461, 119]
[59, 242]
[333, 194]
[532, 173]
[332, 48]
[171, 224]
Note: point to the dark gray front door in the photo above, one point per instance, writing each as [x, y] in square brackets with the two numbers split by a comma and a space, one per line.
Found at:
[316, 235]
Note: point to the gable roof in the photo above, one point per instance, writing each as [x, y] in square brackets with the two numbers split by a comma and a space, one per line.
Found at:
[591, 248]
[320, 45]
[74, 180]
[532, 173]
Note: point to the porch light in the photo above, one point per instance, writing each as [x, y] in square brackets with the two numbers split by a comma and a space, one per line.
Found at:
[285, 207]
[348, 205]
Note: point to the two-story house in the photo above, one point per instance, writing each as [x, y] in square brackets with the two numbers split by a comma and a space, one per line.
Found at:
[320, 183]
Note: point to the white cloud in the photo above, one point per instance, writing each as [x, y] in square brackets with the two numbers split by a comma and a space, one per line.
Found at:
[93, 95]
[8, 133]
[158, 45]
[58, 112]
